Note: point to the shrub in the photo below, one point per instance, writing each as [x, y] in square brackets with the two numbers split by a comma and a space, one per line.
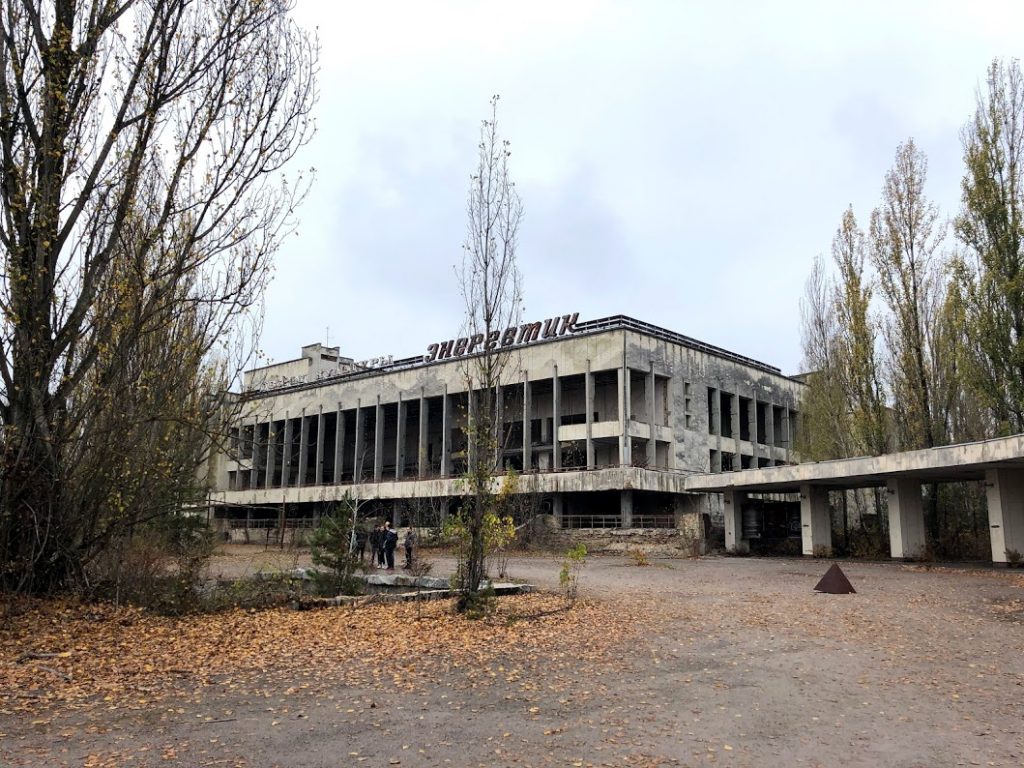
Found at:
[638, 556]
[569, 577]
[332, 547]
[160, 565]
[498, 532]
[479, 604]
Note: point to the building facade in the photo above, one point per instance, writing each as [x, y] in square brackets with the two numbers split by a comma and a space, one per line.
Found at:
[603, 420]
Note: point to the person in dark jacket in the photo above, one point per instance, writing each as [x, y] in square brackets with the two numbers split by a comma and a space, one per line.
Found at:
[377, 546]
[362, 535]
[390, 542]
[410, 543]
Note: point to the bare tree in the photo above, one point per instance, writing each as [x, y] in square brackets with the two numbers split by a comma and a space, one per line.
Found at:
[141, 202]
[491, 287]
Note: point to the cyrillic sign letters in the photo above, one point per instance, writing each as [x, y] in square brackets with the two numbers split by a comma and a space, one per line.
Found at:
[523, 334]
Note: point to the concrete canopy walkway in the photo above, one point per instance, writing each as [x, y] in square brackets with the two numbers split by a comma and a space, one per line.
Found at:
[998, 462]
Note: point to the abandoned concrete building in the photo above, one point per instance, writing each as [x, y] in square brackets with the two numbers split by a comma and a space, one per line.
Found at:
[604, 419]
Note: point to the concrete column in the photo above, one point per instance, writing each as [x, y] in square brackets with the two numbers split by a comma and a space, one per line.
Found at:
[716, 461]
[446, 430]
[626, 508]
[557, 509]
[423, 443]
[271, 453]
[256, 456]
[357, 453]
[792, 425]
[378, 442]
[734, 419]
[339, 446]
[556, 413]
[270, 458]
[300, 478]
[625, 444]
[588, 399]
[403, 411]
[906, 518]
[769, 432]
[527, 424]
[815, 522]
[755, 433]
[286, 452]
[396, 520]
[318, 477]
[733, 509]
[472, 413]
[1005, 492]
[499, 427]
[399, 438]
[652, 452]
[715, 412]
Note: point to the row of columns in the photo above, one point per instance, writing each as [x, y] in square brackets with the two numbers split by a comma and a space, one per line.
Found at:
[264, 453]
[769, 438]
[265, 442]
[1004, 496]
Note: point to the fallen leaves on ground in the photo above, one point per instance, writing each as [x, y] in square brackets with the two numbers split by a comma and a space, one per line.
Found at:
[83, 655]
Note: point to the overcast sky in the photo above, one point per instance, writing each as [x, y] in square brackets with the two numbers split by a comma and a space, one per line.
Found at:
[679, 162]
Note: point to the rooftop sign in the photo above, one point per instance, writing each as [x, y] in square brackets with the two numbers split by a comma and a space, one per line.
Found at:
[514, 336]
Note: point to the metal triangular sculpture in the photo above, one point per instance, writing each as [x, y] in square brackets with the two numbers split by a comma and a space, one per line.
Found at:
[834, 582]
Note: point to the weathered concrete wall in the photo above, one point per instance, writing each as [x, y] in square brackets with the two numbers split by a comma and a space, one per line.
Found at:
[692, 372]
[653, 542]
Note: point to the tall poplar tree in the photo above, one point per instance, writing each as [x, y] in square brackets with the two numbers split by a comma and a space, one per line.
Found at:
[825, 430]
[906, 235]
[843, 409]
[959, 413]
[991, 227]
[859, 340]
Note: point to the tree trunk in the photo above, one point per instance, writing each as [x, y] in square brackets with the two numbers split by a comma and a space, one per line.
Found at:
[38, 558]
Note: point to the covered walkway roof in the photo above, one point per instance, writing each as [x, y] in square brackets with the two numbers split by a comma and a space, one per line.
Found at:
[949, 463]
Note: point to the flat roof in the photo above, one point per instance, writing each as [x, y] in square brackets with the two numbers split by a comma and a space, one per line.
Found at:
[584, 328]
[948, 463]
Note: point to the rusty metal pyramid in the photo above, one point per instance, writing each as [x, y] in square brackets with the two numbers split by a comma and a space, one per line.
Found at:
[834, 582]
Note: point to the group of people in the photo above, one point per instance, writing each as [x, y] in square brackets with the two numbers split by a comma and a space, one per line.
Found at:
[383, 541]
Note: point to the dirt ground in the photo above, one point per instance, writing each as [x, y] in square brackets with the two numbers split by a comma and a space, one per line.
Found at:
[725, 661]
